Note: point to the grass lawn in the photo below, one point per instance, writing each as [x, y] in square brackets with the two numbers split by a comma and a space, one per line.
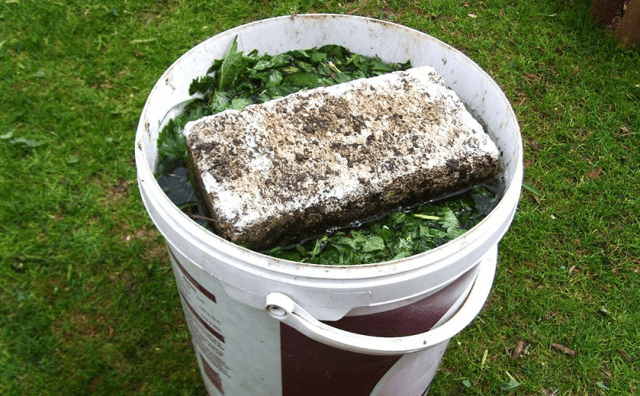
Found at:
[88, 303]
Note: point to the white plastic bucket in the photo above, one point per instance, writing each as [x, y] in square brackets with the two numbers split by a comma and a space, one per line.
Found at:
[265, 326]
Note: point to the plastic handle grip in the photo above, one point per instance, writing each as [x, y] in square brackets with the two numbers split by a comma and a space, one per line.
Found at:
[286, 310]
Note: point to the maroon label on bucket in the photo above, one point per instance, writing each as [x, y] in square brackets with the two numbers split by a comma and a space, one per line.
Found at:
[194, 282]
[211, 374]
[311, 368]
[237, 346]
[202, 322]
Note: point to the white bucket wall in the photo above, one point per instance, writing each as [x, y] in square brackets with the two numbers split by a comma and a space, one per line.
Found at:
[251, 292]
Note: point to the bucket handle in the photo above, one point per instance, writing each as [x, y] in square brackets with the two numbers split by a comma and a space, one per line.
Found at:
[286, 310]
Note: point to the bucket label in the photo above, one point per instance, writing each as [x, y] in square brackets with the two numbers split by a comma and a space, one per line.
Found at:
[312, 368]
[237, 347]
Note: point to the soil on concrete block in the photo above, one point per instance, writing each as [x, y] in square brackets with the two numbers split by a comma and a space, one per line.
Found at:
[293, 167]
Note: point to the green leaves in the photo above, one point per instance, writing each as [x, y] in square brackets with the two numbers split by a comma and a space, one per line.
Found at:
[239, 103]
[21, 142]
[373, 243]
[238, 80]
[233, 65]
[172, 146]
[451, 224]
[304, 79]
[511, 385]
[398, 235]
[201, 84]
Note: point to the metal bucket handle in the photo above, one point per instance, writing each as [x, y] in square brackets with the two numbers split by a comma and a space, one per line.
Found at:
[286, 310]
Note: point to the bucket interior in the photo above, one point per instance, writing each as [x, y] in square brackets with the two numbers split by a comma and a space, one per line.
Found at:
[249, 275]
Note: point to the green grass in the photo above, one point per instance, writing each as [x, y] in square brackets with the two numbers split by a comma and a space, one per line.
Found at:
[88, 304]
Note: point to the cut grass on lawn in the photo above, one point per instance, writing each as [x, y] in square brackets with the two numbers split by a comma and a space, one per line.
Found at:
[88, 303]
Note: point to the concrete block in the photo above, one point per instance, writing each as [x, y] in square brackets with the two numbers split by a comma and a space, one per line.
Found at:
[293, 167]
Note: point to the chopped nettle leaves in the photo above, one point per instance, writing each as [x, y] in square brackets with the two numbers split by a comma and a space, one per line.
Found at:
[400, 234]
[238, 80]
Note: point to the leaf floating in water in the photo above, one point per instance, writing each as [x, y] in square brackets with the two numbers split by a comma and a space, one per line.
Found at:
[426, 217]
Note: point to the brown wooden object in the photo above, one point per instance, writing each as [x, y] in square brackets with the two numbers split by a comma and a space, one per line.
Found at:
[603, 11]
[627, 29]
